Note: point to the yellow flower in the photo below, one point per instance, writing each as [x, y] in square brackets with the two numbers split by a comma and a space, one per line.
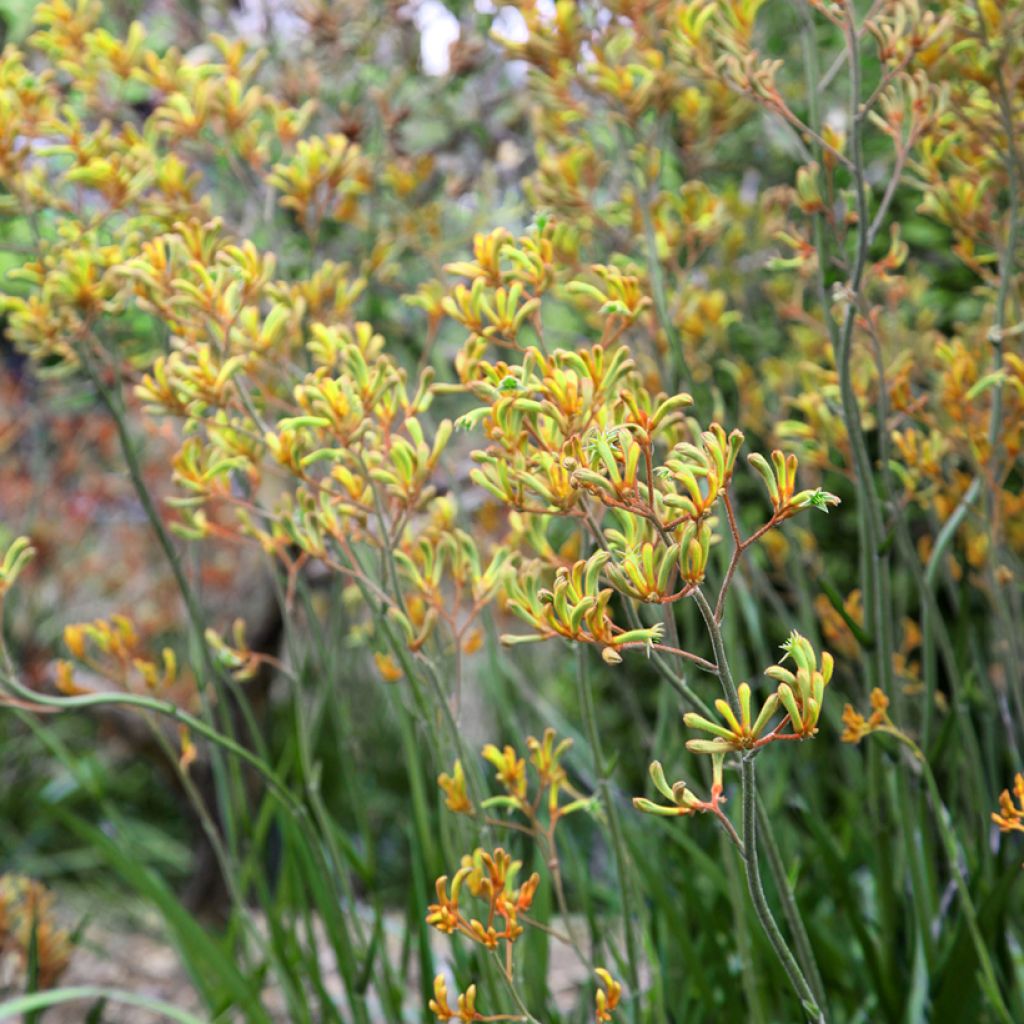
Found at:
[454, 787]
[1010, 817]
[607, 998]
[511, 771]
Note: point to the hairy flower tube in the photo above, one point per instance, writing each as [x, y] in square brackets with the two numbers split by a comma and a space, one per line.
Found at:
[454, 786]
[682, 799]
[645, 574]
[607, 997]
[779, 478]
[799, 695]
[466, 1003]
[744, 732]
[576, 608]
[801, 692]
[700, 474]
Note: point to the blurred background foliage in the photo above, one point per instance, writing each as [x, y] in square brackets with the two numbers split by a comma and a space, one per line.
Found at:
[626, 138]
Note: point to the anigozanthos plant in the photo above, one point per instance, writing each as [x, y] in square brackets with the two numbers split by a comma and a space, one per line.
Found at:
[531, 804]
[809, 304]
[465, 1009]
[880, 722]
[540, 804]
[606, 1000]
[489, 878]
[646, 487]
[29, 934]
[857, 726]
[114, 652]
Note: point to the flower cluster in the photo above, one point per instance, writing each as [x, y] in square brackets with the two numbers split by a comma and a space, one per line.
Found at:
[857, 726]
[28, 932]
[608, 996]
[1010, 816]
[113, 652]
[552, 780]
[488, 877]
[532, 804]
[465, 1004]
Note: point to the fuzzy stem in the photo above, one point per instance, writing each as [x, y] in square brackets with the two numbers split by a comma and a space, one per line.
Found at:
[748, 795]
[589, 713]
[756, 888]
[801, 940]
[718, 646]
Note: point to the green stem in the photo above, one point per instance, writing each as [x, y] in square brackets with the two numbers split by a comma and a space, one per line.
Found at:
[930, 611]
[718, 646]
[1007, 267]
[966, 902]
[756, 888]
[224, 783]
[753, 986]
[875, 563]
[644, 195]
[168, 710]
[513, 991]
[116, 411]
[921, 892]
[664, 667]
[589, 712]
[801, 940]
[470, 764]
[751, 866]
[305, 736]
[941, 817]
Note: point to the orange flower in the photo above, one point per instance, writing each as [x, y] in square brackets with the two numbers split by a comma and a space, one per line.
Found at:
[1010, 817]
[607, 998]
[454, 787]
